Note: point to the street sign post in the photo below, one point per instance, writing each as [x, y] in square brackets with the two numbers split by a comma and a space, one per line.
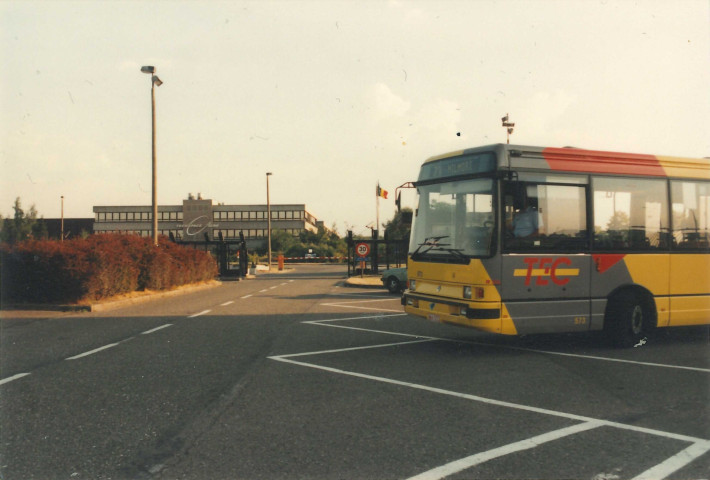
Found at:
[362, 250]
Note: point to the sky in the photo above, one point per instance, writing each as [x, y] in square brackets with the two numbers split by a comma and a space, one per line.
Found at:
[332, 97]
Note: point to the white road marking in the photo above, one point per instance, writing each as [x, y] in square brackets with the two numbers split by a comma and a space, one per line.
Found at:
[247, 296]
[676, 462]
[271, 288]
[264, 290]
[510, 347]
[698, 447]
[14, 377]
[226, 303]
[346, 305]
[365, 295]
[198, 314]
[473, 460]
[351, 349]
[91, 352]
[592, 357]
[157, 328]
[476, 398]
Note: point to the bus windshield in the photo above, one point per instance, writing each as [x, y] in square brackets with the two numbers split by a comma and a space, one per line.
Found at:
[454, 221]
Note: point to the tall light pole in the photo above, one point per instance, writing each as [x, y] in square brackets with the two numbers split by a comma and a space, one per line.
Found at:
[268, 217]
[154, 80]
[61, 229]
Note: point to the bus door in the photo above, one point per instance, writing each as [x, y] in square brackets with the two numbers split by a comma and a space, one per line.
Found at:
[546, 264]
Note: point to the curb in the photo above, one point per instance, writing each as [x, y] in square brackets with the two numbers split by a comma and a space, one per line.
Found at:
[110, 304]
[355, 284]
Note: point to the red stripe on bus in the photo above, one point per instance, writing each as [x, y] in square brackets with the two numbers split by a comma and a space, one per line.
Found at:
[576, 160]
[605, 261]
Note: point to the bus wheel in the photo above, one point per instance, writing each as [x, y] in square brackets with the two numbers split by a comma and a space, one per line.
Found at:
[628, 320]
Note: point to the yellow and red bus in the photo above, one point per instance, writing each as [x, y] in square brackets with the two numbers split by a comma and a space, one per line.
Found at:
[519, 240]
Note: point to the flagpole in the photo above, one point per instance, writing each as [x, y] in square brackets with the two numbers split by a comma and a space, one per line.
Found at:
[377, 195]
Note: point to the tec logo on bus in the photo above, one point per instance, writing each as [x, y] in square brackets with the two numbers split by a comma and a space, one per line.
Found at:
[546, 269]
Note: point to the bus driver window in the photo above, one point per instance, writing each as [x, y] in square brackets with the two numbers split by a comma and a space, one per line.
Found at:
[526, 219]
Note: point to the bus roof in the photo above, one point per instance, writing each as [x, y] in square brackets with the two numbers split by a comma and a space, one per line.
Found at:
[578, 160]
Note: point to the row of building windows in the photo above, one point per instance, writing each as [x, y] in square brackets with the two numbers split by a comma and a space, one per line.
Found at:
[259, 215]
[137, 216]
[217, 216]
[252, 233]
[226, 233]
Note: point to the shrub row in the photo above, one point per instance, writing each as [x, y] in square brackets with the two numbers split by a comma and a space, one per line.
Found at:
[97, 267]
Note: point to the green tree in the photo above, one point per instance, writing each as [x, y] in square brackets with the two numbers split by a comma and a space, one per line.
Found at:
[400, 225]
[282, 241]
[23, 225]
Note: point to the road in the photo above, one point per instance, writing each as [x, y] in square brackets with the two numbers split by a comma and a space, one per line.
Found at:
[293, 375]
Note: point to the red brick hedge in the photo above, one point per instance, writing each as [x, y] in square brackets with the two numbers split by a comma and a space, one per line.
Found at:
[97, 267]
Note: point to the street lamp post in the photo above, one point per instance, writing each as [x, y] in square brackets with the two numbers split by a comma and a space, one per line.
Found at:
[268, 217]
[154, 81]
[61, 229]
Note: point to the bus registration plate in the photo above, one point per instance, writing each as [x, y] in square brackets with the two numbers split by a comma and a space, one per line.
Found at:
[433, 318]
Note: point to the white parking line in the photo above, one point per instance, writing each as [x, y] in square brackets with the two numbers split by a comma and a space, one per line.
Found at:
[247, 296]
[325, 323]
[473, 460]
[226, 303]
[203, 312]
[156, 329]
[91, 352]
[698, 447]
[676, 462]
[592, 357]
[14, 377]
[347, 305]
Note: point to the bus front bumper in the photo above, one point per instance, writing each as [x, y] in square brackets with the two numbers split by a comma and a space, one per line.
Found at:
[484, 316]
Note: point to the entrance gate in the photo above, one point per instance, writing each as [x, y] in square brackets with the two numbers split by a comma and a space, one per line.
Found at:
[387, 252]
[232, 256]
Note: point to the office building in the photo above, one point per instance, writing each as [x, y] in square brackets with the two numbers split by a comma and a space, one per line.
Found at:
[197, 217]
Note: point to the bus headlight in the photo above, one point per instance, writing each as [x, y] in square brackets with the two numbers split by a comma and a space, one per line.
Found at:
[412, 284]
[468, 292]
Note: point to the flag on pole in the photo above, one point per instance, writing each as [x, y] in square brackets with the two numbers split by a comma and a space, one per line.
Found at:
[381, 192]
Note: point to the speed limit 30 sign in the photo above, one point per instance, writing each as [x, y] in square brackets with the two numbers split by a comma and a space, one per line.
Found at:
[362, 249]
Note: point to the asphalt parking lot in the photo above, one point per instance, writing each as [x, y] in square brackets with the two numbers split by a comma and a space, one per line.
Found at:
[554, 406]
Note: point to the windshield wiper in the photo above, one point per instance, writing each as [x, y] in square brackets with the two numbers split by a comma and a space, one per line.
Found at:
[430, 242]
[455, 251]
[434, 246]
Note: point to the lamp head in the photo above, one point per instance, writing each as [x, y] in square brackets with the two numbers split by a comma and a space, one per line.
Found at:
[148, 69]
[157, 81]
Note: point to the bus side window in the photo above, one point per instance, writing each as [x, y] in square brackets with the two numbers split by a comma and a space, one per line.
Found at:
[630, 214]
[542, 216]
[691, 215]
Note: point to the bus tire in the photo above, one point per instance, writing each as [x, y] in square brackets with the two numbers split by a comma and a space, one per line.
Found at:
[629, 319]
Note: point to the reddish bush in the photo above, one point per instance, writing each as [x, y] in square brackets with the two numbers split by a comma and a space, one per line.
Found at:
[97, 267]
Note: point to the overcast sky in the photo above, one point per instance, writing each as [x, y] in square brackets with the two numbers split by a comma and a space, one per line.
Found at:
[331, 97]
